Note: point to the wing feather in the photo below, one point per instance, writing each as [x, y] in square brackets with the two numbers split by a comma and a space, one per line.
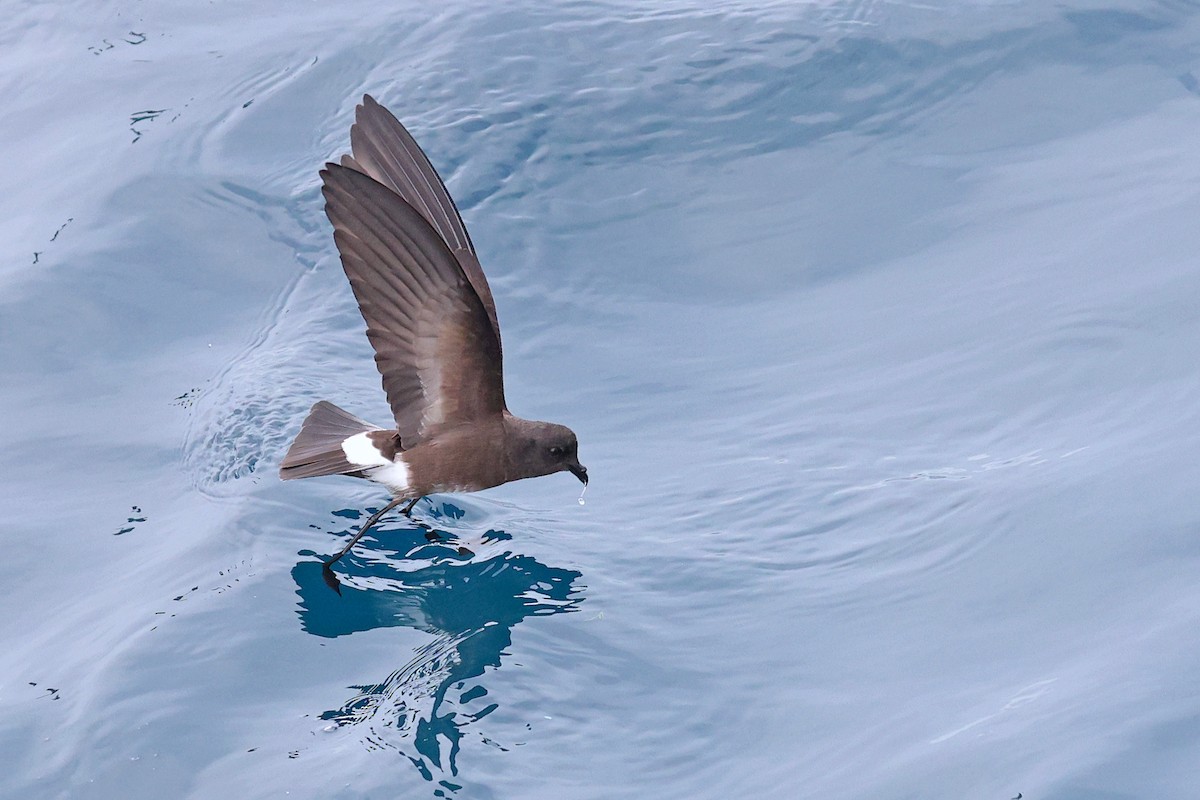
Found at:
[385, 150]
[435, 344]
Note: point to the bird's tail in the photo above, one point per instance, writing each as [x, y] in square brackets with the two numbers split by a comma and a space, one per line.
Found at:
[317, 449]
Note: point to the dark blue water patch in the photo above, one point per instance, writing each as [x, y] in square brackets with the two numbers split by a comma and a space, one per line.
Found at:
[424, 709]
[136, 518]
[447, 593]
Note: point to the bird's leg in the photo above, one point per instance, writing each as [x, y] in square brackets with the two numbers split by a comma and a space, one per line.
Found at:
[408, 508]
[371, 521]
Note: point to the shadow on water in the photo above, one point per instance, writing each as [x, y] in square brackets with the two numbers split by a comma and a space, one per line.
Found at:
[468, 600]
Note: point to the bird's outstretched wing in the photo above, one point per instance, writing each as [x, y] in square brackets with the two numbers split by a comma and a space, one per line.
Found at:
[385, 150]
[435, 344]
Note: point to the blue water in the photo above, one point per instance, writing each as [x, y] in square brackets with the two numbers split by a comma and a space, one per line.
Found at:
[877, 322]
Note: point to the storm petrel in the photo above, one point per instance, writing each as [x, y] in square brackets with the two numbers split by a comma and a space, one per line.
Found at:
[432, 322]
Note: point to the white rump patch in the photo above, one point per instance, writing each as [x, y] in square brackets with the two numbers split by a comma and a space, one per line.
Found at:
[361, 452]
[394, 476]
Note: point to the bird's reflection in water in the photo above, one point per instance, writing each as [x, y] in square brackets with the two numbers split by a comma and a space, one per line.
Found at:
[468, 594]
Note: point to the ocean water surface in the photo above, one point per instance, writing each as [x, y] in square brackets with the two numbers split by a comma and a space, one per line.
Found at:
[878, 323]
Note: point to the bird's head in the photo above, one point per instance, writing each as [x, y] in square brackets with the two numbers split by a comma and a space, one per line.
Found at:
[545, 448]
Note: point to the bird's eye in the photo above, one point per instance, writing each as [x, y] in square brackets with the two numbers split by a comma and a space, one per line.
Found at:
[556, 451]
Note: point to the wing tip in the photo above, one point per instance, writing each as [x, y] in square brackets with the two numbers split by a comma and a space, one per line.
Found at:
[369, 108]
[326, 173]
[337, 177]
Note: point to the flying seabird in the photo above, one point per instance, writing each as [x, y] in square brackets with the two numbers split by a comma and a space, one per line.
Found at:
[432, 322]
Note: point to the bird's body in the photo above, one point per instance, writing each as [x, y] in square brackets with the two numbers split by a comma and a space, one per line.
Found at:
[466, 458]
[432, 322]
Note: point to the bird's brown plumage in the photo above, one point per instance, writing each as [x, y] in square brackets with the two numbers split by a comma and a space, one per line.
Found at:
[384, 149]
[432, 322]
[435, 345]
